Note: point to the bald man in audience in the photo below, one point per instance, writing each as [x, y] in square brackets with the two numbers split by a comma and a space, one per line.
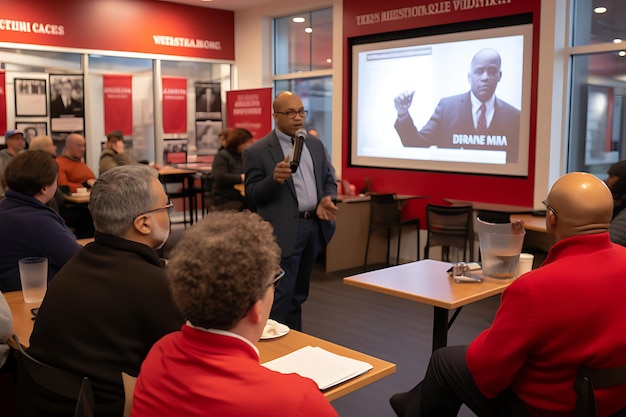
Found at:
[73, 171]
[564, 315]
[46, 144]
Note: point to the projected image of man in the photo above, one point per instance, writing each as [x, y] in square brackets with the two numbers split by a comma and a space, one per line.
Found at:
[473, 120]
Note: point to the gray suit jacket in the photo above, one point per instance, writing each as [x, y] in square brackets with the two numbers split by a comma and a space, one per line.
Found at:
[277, 203]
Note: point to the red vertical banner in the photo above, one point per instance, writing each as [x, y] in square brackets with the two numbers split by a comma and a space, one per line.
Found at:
[250, 109]
[174, 105]
[118, 103]
[3, 104]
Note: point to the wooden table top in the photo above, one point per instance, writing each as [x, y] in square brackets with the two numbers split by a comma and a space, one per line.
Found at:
[269, 349]
[479, 205]
[78, 199]
[275, 348]
[427, 281]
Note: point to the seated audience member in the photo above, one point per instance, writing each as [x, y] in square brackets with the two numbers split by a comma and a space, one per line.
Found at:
[212, 367]
[112, 299]
[617, 184]
[113, 154]
[227, 171]
[14, 139]
[73, 172]
[551, 321]
[29, 227]
[45, 143]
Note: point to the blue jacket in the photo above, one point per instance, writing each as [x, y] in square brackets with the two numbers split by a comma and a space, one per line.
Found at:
[30, 228]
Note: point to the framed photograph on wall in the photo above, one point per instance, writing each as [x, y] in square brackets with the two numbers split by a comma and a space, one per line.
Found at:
[32, 129]
[208, 101]
[67, 110]
[31, 97]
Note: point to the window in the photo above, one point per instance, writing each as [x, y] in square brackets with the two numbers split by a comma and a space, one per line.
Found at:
[597, 128]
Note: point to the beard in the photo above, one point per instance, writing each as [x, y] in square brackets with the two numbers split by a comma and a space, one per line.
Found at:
[159, 234]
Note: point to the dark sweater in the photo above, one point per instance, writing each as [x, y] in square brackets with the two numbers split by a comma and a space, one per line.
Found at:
[101, 316]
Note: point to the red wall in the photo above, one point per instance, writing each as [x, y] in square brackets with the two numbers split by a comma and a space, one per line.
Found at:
[437, 185]
[121, 25]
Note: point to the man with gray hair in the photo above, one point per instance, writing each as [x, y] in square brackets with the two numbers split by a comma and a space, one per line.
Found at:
[111, 302]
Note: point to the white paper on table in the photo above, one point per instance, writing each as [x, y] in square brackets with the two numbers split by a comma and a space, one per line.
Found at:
[327, 369]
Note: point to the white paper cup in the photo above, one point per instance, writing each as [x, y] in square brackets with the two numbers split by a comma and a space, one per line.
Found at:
[525, 263]
[34, 278]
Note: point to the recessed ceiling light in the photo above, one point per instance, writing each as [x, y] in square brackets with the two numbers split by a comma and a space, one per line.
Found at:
[298, 19]
[308, 30]
[329, 61]
[621, 53]
[617, 40]
[599, 10]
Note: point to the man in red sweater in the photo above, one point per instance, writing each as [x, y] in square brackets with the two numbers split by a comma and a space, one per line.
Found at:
[73, 172]
[566, 314]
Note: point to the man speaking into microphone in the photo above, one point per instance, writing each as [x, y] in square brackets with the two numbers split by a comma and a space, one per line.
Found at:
[293, 189]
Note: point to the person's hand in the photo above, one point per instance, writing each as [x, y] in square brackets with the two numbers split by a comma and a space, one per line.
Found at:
[91, 181]
[243, 177]
[118, 146]
[517, 227]
[282, 171]
[403, 102]
[326, 209]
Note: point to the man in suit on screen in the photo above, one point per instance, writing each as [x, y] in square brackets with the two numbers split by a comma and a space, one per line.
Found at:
[476, 119]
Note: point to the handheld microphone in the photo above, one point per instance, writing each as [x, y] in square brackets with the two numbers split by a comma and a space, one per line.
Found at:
[298, 143]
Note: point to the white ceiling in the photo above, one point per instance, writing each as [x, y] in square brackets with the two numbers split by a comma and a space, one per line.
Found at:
[222, 4]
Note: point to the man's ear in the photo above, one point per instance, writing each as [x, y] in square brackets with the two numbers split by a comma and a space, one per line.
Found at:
[143, 224]
[552, 219]
[255, 314]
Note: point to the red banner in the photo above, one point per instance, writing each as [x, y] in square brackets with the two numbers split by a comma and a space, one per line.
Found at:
[118, 103]
[250, 109]
[174, 105]
[3, 105]
[155, 27]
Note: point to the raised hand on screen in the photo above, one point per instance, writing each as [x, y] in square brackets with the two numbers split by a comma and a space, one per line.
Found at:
[403, 102]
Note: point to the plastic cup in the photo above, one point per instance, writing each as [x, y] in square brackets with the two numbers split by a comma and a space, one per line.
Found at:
[525, 263]
[34, 277]
[500, 254]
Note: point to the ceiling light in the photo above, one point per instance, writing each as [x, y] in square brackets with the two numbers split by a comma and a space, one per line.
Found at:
[599, 10]
[329, 61]
[621, 53]
[308, 30]
[617, 40]
[298, 19]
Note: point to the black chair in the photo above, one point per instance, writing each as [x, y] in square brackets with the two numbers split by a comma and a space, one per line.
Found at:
[449, 226]
[587, 380]
[386, 212]
[206, 191]
[181, 186]
[54, 385]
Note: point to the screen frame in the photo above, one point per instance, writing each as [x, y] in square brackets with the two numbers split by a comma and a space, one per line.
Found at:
[520, 26]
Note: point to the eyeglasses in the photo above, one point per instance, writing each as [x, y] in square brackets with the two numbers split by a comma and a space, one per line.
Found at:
[292, 113]
[279, 275]
[169, 207]
[549, 207]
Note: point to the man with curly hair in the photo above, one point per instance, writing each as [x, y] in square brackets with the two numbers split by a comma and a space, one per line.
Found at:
[222, 275]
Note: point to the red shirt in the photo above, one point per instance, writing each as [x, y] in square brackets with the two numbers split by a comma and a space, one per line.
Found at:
[569, 312]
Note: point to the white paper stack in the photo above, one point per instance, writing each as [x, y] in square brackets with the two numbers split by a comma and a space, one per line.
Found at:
[325, 368]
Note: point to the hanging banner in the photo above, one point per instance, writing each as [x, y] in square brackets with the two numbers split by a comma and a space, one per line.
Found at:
[3, 105]
[250, 109]
[174, 105]
[118, 103]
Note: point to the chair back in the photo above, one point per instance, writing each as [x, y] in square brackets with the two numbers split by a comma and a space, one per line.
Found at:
[587, 380]
[449, 226]
[129, 389]
[35, 376]
[385, 210]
